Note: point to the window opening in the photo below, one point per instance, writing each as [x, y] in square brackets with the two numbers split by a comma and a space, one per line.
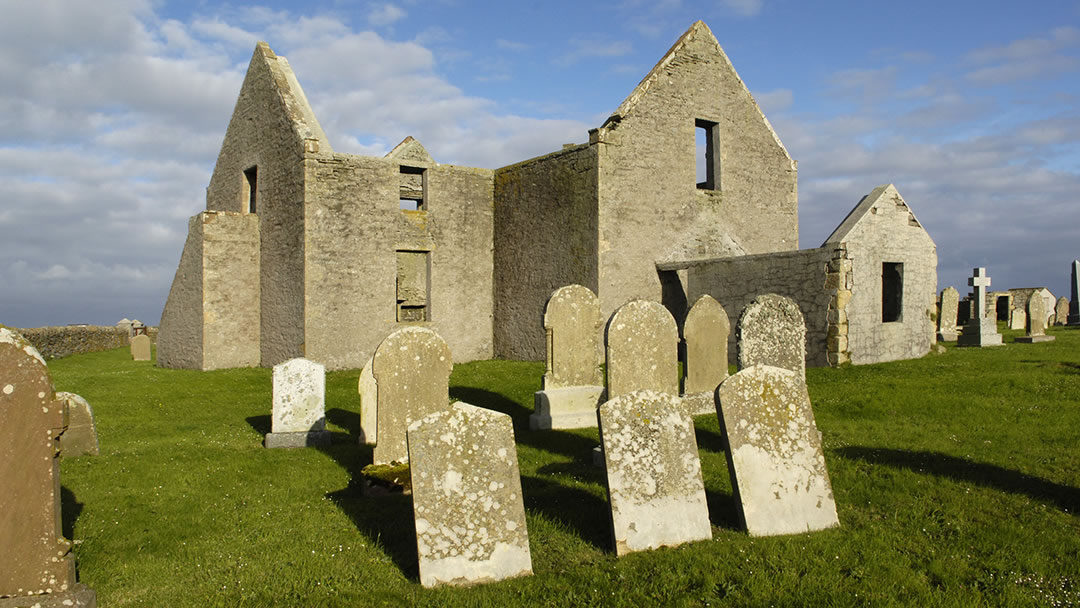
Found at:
[412, 189]
[251, 188]
[413, 286]
[707, 146]
[892, 291]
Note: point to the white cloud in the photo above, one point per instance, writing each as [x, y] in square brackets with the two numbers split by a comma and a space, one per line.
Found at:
[585, 49]
[745, 8]
[384, 14]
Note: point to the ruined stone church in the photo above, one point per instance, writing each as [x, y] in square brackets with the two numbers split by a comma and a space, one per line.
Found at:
[304, 251]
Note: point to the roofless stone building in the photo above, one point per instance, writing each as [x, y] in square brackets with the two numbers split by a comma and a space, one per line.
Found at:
[304, 251]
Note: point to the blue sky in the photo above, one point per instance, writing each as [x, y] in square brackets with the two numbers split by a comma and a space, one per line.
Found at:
[112, 114]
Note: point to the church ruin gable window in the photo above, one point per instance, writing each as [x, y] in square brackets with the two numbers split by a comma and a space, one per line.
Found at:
[892, 292]
[707, 147]
[251, 189]
[413, 286]
[412, 189]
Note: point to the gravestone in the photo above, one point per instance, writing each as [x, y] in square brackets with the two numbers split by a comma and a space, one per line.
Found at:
[412, 370]
[642, 350]
[981, 329]
[654, 482]
[950, 301]
[706, 332]
[573, 382]
[299, 416]
[775, 459]
[1073, 317]
[140, 347]
[1061, 311]
[81, 434]
[1036, 322]
[1017, 318]
[369, 405]
[466, 495]
[36, 566]
[771, 331]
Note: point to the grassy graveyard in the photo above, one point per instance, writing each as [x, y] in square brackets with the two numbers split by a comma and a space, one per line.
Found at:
[956, 478]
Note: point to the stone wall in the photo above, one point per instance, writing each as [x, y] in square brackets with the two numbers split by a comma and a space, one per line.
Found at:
[545, 238]
[56, 342]
[181, 344]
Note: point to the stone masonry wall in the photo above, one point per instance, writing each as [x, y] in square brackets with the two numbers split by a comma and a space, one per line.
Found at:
[650, 208]
[61, 341]
[545, 238]
[803, 276]
[181, 343]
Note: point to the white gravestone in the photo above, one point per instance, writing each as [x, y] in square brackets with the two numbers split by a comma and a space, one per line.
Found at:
[299, 414]
[573, 382]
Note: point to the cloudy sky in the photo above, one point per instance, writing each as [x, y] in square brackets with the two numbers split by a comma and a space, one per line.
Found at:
[112, 113]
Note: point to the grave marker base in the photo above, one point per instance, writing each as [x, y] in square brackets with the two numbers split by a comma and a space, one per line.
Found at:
[299, 439]
[572, 407]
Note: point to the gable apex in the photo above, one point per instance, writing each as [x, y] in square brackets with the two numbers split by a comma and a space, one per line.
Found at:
[884, 194]
[411, 150]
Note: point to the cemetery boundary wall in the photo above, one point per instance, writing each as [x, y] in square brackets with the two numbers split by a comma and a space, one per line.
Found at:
[56, 342]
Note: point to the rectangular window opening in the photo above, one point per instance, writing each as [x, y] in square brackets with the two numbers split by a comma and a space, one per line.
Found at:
[892, 291]
[413, 286]
[412, 189]
[251, 188]
[707, 147]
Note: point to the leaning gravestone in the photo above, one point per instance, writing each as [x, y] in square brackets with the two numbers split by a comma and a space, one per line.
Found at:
[642, 350]
[573, 383]
[140, 347]
[1061, 311]
[466, 495]
[299, 415]
[654, 480]
[34, 556]
[771, 331]
[1036, 321]
[81, 434]
[412, 371]
[706, 332]
[774, 457]
[950, 301]
[981, 329]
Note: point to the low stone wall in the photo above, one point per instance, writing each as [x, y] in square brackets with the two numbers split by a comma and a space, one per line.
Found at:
[56, 342]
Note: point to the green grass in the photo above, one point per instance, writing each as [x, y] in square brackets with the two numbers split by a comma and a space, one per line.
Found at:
[956, 477]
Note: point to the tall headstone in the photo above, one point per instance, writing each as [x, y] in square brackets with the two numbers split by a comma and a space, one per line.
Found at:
[1074, 296]
[642, 350]
[299, 415]
[466, 496]
[412, 370]
[1017, 318]
[981, 329]
[775, 458]
[1036, 321]
[140, 347]
[654, 479]
[1061, 311]
[369, 405]
[771, 331]
[34, 555]
[706, 332]
[81, 434]
[947, 315]
[573, 382]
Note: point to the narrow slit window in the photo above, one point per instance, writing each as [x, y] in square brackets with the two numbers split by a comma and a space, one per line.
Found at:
[892, 291]
[413, 286]
[707, 146]
[251, 188]
[412, 190]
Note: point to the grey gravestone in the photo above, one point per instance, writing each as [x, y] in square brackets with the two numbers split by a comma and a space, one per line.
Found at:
[299, 414]
[140, 347]
[369, 405]
[1074, 296]
[654, 480]
[34, 556]
[706, 332]
[412, 370]
[1061, 311]
[981, 329]
[775, 459]
[642, 350]
[573, 382]
[771, 331]
[950, 301]
[1036, 321]
[466, 495]
[81, 434]
[1017, 318]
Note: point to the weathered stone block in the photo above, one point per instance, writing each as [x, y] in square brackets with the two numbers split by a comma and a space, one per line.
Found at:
[81, 434]
[774, 453]
[572, 326]
[299, 413]
[572, 407]
[140, 348]
[653, 472]
[771, 331]
[466, 488]
[642, 349]
[706, 331]
[369, 405]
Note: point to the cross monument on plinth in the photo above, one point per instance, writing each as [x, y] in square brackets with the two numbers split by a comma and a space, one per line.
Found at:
[980, 330]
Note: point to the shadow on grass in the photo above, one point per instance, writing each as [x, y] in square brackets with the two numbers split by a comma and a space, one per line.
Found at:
[576, 509]
[70, 509]
[261, 423]
[350, 421]
[983, 474]
[710, 440]
[722, 510]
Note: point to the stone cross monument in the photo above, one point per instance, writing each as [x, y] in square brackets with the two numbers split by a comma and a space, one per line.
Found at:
[980, 330]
